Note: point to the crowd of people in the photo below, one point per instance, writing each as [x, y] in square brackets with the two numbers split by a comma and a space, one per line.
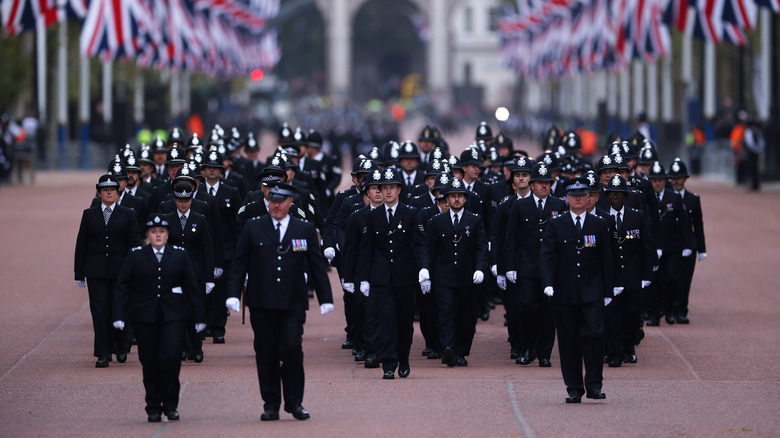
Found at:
[590, 251]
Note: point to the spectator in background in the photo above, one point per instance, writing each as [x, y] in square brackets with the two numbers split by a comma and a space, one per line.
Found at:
[754, 144]
[695, 141]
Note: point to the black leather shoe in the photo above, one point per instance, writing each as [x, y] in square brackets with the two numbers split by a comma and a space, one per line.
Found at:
[485, 315]
[574, 397]
[524, 358]
[595, 394]
[219, 340]
[389, 375]
[514, 353]
[371, 361]
[629, 358]
[121, 358]
[269, 415]
[403, 372]
[615, 362]
[172, 415]
[299, 413]
[154, 418]
[640, 334]
[360, 356]
[682, 319]
[427, 352]
[347, 345]
[434, 355]
[102, 362]
[198, 356]
[670, 319]
[462, 362]
[545, 363]
[653, 322]
[448, 357]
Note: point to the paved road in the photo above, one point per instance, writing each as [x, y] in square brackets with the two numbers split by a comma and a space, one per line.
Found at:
[720, 376]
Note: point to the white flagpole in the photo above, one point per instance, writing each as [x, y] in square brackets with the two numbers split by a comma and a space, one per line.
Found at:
[62, 92]
[84, 110]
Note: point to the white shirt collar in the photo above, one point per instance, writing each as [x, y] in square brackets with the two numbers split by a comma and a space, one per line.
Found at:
[614, 212]
[682, 193]
[186, 214]
[393, 208]
[582, 217]
[526, 195]
[433, 198]
[104, 206]
[407, 176]
[161, 251]
[458, 214]
[537, 199]
[319, 156]
[283, 229]
[215, 187]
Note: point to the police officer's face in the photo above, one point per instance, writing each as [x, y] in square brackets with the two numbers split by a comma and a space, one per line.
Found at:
[658, 184]
[212, 173]
[631, 162]
[375, 195]
[521, 180]
[617, 199]
[122, 184]
[577, 203]
[252, 155]
[290, 173]
[457, 173]
[456, 200]
[540, 188]
[391, 193]
[678, 183]
[160, 157]
[471, 171]
[158, 236]
[408, 164]
[183, 204]
[605, 175]
[279, 209]
[442, 202]
[430, 180]
[172, 169]
[108, 195]
[642, 169]
[592, 199]
[426, 146]
[133, 177]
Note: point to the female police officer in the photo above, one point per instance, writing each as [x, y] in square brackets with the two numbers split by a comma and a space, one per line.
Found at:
[157, 292]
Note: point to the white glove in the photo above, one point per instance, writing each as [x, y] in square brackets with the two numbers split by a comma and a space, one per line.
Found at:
[645, 283]
[655, 268]
[349, 287]
[617, 290]
[425, 286]
[119, 325]
[83, 283]
[199, 327]
[512, 276]
[687, 253]
[233, 304]
[330, 253]
[501, 280]
[246, 279]
[306, 277]
[478, 277]
[494, 270]
[423, 275]
[660, 252]
[607, 300]
[326, 308]
[364, 287]
[218, 272]
[549, 291]
[702, 256]
[209, 287]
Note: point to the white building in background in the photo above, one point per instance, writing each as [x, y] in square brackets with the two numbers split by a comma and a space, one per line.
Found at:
[475, 46]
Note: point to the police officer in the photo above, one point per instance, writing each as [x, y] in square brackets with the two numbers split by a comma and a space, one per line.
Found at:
[392, 251]
[275, 251]
[575, 262]
[408, 160]
[106, 234]
[156, 292]
[458, 249]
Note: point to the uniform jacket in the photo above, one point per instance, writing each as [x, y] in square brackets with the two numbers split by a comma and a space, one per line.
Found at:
[355, 224]
[692, 203]
[676, 233]
[147, 288]
[525, 229]
[134, 203]
[276, 269]
[392, 254]
[634, 251]
[456, 252]
[101, 248]
[228, 201]
[577, 264]
[196, 239]
[212, 217]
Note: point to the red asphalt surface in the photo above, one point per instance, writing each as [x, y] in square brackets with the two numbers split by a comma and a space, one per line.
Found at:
[718, 377]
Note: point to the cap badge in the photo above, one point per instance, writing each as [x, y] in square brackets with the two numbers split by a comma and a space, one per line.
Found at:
[377, 175]
[444, 179]
[388, 174]
[474, 154]
[675, 167]
[648, 153]
[408, 147]
[591, 179]
[618, 158]
[616, 181]
[542, 170]
[437, 154]
[547, 160]
[285, 132]
[456, 183]
[657, 167]
[606, 160]
[436, 165]
[174, 153]
[157, 219]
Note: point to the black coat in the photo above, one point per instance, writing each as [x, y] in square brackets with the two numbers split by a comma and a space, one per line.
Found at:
[102, 248]
[147, 288]
[392, 254]
[228, 202]
[237, 180]
[692, 203]
[676, 233]
[525, 229]
[455, 253]
[135, 203]
[212, 217]
[196, 239]
[276, 270]
[580, 273]
[634, 251]
[349, 254]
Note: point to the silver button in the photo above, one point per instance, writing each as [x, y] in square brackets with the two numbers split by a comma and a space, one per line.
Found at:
[456, 262]
[159, 269]
[158, 295]
[158, 278]
[158, 286]
[279, 268]
[578, 275]
[391, 251]
[278, 280]
[456, 253]
[391, 241]
[279, 258]
[456, 244]
[578, 264]
[391, 260]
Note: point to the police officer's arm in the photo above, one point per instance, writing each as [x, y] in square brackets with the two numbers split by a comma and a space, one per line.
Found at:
[418, 239]
[605, 253]
[366, 248]
[648, 250]
[340, 224]
[318, 268]
[482, 247]
[240, 263]
[81, 248]
[190, 287]
[498, 247]
[134, 236]
[349, 250]
[684, 222]
[432, 240]
[510, 242]
[547, 255]
[124, 285]
[212, 215]
[698, 224]
[208, 255]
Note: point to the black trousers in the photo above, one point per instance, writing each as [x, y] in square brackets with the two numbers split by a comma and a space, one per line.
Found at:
[357, 315]
[216, 312]
[279, 355]
[664, 292]
[687, 267]
[622, 321]
[580, 339]
[458, 310]
[429, 320]
[349, 329]
[192, 340]
[101, 301]
[159, 350]
[512, 305]
[395, 308]
[537, 326]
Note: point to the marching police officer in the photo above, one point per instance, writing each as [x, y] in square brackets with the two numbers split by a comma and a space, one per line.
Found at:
[275, 251]
[106, 234]
[157, 293]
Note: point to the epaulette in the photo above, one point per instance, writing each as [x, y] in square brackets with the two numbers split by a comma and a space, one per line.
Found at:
[136, 248]
[253, 218]
[301, 212]
[178, 247]
[506, 198]
[241, 210]
[343, 191]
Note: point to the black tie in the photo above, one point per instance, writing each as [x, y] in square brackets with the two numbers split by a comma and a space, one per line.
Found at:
[389, 215]
[278, 232]
[183, 220]
[541, 206]
[409, 181]
[159, 256]
[619, 221]
[455, 221]
[579, 224]
[107, 214]
[211, 191]
[468, 187]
